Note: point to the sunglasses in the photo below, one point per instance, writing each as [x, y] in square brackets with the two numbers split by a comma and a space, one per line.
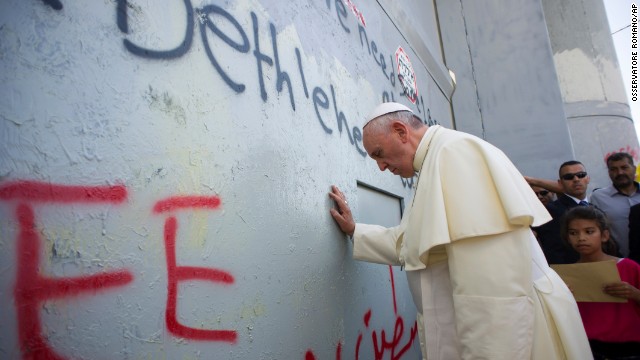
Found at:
[569, 176]
[542, 193]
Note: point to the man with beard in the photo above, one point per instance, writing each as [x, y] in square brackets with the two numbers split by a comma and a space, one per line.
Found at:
[573, 180]
[616, 199]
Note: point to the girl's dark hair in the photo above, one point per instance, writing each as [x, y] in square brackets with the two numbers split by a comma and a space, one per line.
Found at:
[590, 213]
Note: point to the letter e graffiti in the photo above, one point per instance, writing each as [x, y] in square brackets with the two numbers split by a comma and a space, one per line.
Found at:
[32, 289]
[177, 273]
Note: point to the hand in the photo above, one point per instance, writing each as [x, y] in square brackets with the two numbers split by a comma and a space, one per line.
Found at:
[623, 290]
[342, 214]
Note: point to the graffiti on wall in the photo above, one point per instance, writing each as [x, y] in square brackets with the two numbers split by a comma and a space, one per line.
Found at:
[357, 13]
[213, 35]
[381, 345]
[321, 98]
[176, 274]
[318, 95]
[32, 288]
[55, 4]
[633, 151]
[216, 28]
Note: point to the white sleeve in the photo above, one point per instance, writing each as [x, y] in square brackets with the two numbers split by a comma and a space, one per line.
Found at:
[377, 244]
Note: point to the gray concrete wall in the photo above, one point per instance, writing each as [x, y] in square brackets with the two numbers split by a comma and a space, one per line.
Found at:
[507, 90]
[164, 169]
[595, 103]
[164, 165]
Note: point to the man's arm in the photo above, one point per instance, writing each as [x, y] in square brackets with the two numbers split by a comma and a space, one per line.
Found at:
[377, 244]
[372, 243]
[547, 184]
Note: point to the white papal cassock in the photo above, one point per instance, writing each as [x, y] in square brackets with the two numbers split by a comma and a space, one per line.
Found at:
[479, 280]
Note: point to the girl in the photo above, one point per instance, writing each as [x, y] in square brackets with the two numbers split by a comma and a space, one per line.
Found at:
[613, 329]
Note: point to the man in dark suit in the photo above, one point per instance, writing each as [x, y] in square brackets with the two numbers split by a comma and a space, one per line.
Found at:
[574, 180]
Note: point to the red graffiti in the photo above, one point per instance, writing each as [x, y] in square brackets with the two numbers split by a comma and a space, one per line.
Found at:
[393, 290]
[367, 317]
[309, 355]
[356, 12]
[34, 191]
[31, 288]
[634, 152]
[185, 202]
[394, 342]
[382, 345]
[181, 273]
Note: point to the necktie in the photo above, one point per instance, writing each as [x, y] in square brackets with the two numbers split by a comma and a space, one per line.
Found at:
[583, 203]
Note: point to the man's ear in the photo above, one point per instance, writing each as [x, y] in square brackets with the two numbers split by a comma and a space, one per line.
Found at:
[400, 129]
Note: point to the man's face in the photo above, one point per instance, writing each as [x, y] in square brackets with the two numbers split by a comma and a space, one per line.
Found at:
[545, 196]
[389, 150]
[571, 182]
[621, 173]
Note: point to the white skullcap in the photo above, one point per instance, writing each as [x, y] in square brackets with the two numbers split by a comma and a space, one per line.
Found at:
[385, 108]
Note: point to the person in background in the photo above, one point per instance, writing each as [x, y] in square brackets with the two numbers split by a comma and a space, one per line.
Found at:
[547, 184]
[573, 180]
[478, 278]
[545, 196]
[613, 328]
[616, 200]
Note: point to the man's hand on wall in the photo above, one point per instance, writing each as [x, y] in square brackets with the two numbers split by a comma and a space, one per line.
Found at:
[342, 213]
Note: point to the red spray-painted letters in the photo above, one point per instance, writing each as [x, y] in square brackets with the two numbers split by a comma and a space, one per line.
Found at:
[31, 288]
[181, 273]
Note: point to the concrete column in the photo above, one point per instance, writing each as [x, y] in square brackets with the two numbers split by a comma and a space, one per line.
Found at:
[592, 90]
[507, 90]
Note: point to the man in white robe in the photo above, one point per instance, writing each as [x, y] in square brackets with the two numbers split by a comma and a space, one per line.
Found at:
[479, 280]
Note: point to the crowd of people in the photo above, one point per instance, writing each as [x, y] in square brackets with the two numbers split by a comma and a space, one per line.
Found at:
[601, 226]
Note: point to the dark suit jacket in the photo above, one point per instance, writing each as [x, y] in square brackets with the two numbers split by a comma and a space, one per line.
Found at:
[634, 233]
[556, 250]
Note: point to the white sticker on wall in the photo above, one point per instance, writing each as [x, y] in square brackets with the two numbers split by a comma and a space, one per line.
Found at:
[406, 75]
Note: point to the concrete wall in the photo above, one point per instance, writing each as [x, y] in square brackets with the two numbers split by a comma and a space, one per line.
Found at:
[595, 103]
[507, 91]
[164, 165]
[164, 169]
